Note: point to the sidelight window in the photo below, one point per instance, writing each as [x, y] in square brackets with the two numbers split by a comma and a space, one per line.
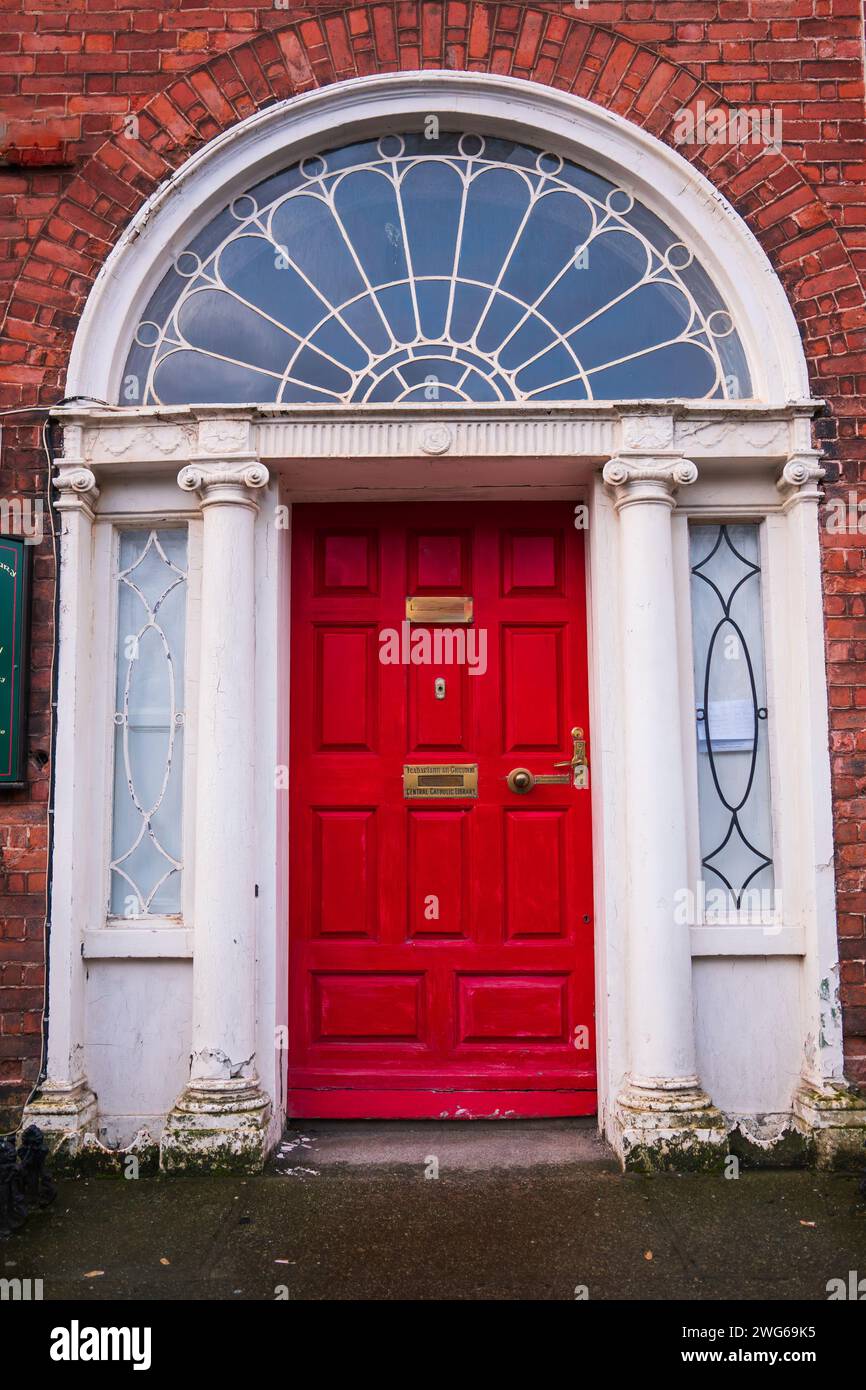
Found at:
[146, 850]
[732, 715]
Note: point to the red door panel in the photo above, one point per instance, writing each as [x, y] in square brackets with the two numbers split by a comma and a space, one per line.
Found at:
[440, 949]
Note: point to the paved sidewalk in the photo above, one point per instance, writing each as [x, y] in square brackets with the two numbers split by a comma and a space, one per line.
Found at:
[518, 1211]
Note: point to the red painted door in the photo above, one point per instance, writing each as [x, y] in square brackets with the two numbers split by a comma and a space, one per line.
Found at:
[440, 949]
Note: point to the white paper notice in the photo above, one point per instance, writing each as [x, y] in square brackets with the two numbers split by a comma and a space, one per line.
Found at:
[731, 726]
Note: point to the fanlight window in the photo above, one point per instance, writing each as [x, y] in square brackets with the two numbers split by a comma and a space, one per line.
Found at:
[458, 269]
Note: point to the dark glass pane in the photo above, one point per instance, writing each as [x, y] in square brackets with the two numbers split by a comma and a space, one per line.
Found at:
[194, 376]
[432, 195]
[496, 205]
[254, 268]
[218, 323]
[650, 377]
[648, 316]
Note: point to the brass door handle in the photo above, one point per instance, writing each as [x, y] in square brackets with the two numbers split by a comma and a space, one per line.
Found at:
[521, 780]
[578, 757]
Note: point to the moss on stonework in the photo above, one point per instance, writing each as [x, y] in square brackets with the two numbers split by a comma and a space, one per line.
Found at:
[95, 1160]
[840, 1150]
[675, 1156]
[98, 1162]
[791, 1149]
[192, 1160]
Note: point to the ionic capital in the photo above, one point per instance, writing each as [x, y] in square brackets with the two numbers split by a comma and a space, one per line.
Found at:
[77, 490]
[647, 478]
[224, 484]
[799, 479]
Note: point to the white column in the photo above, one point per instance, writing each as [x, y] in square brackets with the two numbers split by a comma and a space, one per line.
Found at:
[663, 1118]
[221, 1118]
[65, 1104]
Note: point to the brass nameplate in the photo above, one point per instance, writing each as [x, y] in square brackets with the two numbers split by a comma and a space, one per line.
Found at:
[439, 608]
[440, 779]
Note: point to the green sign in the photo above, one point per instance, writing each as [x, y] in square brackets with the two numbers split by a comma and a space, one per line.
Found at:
[14, 627]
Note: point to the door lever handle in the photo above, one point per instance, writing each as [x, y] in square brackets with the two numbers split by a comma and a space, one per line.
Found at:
[521, 780]
[578, 757]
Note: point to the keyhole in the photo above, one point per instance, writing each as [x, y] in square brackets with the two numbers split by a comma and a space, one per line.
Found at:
[439, 687]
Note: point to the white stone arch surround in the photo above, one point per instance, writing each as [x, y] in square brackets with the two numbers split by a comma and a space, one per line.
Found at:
[579, 130]
[681, 1015]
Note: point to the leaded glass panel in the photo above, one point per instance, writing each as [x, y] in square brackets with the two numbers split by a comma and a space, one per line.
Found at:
[146, 853]
[730, 688]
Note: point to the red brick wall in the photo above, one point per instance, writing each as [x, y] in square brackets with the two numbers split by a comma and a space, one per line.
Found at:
[71, 69]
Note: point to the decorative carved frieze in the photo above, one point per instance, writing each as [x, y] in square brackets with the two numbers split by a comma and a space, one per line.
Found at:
[435, 439]
[750, 436]
[185, 435]
[225, 435]
[138, 441]
[648, 433]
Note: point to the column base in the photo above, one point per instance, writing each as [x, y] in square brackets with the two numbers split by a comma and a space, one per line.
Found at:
[668, 1125]
[217, 1126]
[833, 1116]
[65, 1111]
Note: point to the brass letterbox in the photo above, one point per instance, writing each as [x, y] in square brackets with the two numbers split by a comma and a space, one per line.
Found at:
[440, 780]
